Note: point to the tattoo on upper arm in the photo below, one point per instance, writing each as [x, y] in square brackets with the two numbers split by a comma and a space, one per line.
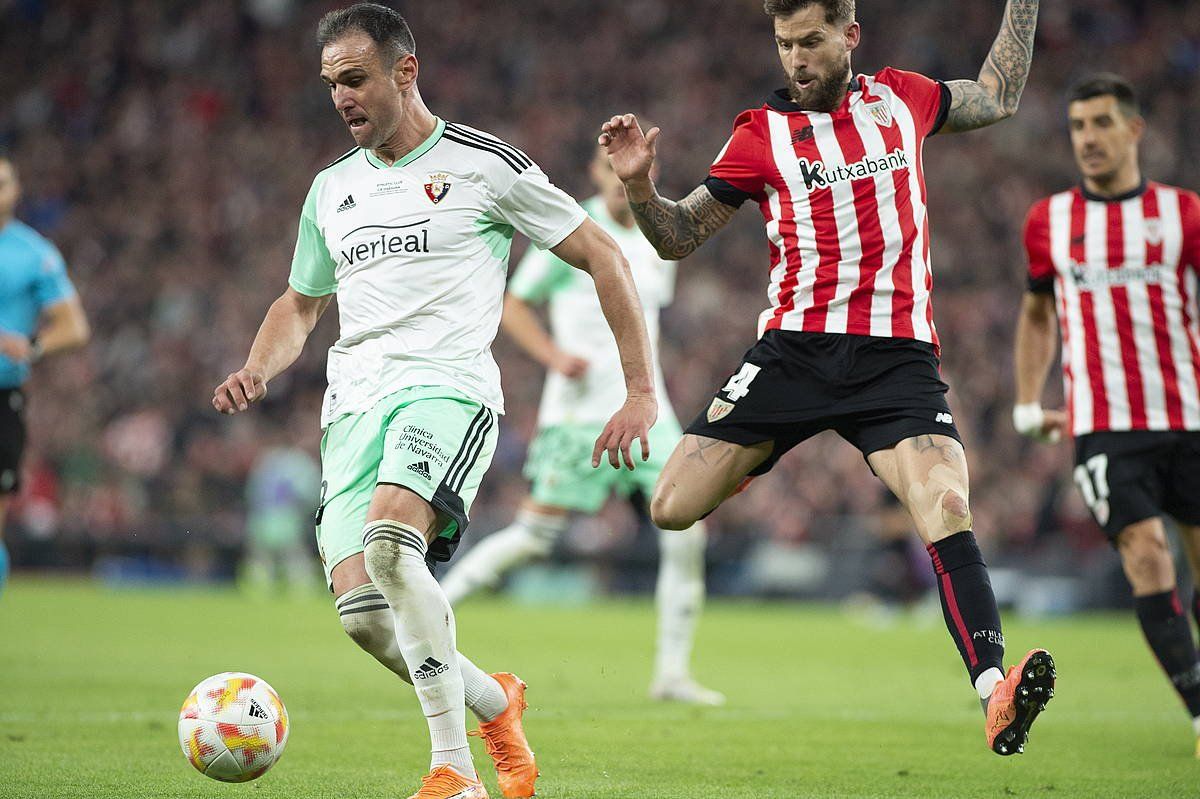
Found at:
[676, 229]
[997, 92]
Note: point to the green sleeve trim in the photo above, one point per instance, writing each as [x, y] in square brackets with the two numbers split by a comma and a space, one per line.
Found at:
[313, 269]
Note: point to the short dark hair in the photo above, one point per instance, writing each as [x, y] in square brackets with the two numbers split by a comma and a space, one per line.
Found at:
[840, 11]
[1107, 84]
[386, 28]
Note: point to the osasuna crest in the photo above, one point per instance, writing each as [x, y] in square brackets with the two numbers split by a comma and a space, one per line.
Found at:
[1154, 231]
[881, 112]
[438, 187]
[718, 409]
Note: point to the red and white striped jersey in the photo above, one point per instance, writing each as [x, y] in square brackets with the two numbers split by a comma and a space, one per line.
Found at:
[1124, 271]
[843, 198]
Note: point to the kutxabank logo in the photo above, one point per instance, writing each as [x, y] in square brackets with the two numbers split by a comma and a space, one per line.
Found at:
[819, 175]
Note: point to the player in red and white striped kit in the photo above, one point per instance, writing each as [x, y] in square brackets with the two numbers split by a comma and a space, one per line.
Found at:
[1116, 260]
[834, 163]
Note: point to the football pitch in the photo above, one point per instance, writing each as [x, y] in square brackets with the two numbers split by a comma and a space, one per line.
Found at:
[820, 705]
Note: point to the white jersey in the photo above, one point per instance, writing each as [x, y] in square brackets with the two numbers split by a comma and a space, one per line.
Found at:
[417, 254]
[578, 325]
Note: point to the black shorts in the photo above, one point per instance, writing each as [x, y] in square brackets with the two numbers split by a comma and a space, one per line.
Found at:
[1133, 476]
[874, 392]
[12, 439]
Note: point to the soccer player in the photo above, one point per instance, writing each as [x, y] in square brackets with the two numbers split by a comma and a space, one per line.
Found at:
[848, 343]
[411, 230]
[583, 387]
[40, 314]
[1116, 259]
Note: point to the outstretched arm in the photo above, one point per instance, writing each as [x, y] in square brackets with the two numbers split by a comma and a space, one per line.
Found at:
[278, 344]
[676, 229]
[997, 92]
[591, 249]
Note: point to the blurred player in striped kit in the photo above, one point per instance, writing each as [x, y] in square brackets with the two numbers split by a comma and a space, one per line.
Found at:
[40, 314]
[583, 388]
[1116, 259]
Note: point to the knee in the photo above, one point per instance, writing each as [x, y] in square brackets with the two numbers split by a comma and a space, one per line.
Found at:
[956, 513]
[1146, 556]
[392, 554]
[667, 512]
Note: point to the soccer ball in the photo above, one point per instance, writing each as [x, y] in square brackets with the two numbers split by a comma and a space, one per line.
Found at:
[233, 727]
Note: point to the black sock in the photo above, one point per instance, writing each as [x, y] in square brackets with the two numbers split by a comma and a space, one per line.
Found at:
[968, 604]
[1169, 634]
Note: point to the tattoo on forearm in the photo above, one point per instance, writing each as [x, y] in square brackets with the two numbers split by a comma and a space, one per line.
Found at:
[995, 95]
[676, 229]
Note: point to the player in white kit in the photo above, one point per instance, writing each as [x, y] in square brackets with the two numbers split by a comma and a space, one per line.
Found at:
[583, 388]
[411, 231]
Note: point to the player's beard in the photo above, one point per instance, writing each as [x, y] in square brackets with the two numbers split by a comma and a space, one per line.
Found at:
[826, 94]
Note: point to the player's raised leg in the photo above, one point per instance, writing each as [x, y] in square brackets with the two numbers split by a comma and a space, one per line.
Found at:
[700, 474]
[928, 473]
[530, 536]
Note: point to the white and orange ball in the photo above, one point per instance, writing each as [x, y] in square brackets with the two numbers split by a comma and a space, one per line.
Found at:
[233, 727]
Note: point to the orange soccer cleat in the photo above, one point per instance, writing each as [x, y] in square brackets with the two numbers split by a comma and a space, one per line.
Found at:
[504, 738]
[446, 783]
[1017, 701]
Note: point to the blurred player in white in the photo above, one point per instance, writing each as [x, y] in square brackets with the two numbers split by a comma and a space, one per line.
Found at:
[410, 230]
[583, 388]
[1116, 260]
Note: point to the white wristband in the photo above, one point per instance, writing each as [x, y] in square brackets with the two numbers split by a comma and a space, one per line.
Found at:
[1028, 418]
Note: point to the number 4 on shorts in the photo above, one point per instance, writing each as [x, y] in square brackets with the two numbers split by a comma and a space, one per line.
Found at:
[739, 385]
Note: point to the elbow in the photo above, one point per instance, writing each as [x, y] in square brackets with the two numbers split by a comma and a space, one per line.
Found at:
[673, 253]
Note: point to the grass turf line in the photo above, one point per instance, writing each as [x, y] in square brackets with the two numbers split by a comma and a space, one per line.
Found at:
[91, 681]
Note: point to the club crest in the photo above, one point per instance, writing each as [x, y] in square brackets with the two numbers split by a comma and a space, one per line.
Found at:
[438, 187]
[1154, 231]
[881, 112]
[718, 409]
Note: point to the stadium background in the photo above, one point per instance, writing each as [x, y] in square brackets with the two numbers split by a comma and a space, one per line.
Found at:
[166, 147]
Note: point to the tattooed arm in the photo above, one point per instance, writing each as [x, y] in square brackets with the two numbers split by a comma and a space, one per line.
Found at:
[676, 229]
[995, 96]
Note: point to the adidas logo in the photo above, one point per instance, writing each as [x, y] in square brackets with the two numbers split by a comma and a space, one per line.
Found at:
[347, 203]
[421, 468]
[256, 711]
[430, 668]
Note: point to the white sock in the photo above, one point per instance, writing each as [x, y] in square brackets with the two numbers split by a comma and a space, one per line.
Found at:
[395, 559]
[680, 597]
[367, 619]
[1196, 726]
[531, 535]
[986, 682]
[484, 695]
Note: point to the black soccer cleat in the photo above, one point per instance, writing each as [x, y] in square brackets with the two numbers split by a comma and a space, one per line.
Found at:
[1017, 701]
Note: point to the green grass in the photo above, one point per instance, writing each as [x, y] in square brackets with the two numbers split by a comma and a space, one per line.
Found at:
[91, 681]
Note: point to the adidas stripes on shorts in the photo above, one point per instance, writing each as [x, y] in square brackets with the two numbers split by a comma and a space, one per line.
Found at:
[431, 440]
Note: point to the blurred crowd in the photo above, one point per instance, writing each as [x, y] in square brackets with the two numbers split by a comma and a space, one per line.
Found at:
[166, 147]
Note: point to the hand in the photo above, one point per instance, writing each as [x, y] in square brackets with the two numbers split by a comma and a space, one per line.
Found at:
[241, 389]
[634, 420]
[568, 365]
[630, 153]
[1031, 420]
[16, 347]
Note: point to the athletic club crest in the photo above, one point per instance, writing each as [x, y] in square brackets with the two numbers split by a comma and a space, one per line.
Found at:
[1154, 231]
[718, 410]
[881, 112]
[438, 187]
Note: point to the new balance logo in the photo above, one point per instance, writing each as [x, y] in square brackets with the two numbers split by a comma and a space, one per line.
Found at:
[421, 468]
[347, 203]
[430, 668]
[256, 711]
[944, 418]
